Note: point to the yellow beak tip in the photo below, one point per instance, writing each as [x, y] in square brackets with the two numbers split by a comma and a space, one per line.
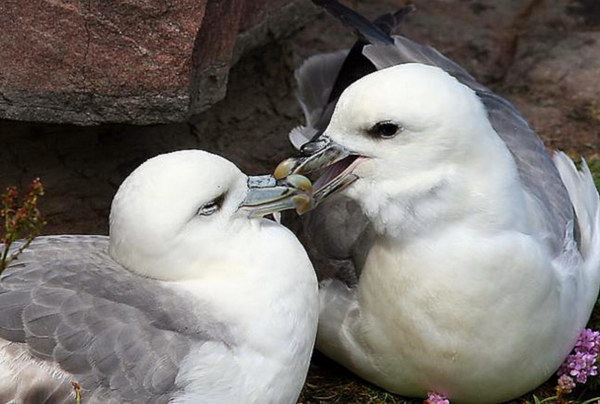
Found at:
[284, 168]
[300, 182]
[303, 203]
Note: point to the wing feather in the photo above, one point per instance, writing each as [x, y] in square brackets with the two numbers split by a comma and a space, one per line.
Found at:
[315, 78]
[121, 336]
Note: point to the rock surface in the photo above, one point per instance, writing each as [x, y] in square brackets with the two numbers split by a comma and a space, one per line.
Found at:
[125, 61]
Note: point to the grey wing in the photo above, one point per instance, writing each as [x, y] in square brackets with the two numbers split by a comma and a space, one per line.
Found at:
[323, 77]
[315, 79]
[537, 172]
[119, 335]
[330, 250]
[406, 51]
[338, 237]
[337, 234]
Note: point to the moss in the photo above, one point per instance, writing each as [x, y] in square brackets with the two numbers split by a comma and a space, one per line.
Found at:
[594, 164]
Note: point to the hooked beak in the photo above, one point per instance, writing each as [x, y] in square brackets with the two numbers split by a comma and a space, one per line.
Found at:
[269, 195]
[333, 161]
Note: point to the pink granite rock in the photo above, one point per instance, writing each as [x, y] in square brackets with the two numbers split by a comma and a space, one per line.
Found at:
[90, 62]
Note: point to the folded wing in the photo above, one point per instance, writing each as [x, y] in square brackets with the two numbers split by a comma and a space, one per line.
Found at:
[120, 336]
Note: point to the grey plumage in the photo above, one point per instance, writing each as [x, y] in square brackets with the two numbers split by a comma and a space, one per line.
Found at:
[315, 80]
[119, 340]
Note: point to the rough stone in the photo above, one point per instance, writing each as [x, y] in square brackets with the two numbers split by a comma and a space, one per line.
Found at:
[126, 61]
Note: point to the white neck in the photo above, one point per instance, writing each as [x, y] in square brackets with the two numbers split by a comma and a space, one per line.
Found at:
[270, 301]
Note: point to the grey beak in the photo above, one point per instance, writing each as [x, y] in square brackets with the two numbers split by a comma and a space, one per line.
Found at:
[269, 195]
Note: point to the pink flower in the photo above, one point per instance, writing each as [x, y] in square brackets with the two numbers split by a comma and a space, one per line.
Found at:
[582, 363]
[435, 398]
[589, 341]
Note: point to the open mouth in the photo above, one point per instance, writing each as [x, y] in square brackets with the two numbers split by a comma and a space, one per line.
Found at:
[335, 177]
[335, 174]
[330, 166]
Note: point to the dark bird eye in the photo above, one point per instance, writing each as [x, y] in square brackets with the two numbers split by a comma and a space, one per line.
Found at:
[212, 206]
[385, 130]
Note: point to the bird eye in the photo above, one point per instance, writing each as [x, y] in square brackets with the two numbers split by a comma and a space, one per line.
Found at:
[211, 207]
[385, 130]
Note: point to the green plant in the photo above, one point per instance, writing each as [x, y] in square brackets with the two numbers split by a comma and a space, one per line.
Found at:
[77, 390]
[594, 164]
[19, 219]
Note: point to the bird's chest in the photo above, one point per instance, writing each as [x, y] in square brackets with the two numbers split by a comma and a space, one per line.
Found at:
[276, 359]
[273, 335]
[448, 303]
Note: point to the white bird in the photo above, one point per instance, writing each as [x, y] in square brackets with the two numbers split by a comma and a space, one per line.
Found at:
[456, 257]
[194, 298]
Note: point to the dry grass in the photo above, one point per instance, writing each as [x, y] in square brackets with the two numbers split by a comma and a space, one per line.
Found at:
[330, 383]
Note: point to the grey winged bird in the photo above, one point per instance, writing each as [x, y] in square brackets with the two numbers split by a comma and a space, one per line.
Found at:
[455, 255]
[194, 297]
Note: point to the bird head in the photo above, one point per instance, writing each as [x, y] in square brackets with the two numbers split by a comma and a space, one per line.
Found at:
[180, 208]
[396, 136]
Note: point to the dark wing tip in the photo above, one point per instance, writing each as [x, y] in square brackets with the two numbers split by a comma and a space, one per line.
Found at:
[389, 22]
[364, 28]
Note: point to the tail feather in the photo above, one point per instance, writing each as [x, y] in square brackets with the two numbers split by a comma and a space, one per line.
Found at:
[585, 199]
[586, 203]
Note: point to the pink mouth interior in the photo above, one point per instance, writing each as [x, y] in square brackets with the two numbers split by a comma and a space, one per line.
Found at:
[338, 169]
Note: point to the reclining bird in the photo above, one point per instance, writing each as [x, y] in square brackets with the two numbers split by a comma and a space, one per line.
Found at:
[455, 255]
[193, 298]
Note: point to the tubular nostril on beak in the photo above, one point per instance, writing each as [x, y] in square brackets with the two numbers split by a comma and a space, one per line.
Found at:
[310, 148]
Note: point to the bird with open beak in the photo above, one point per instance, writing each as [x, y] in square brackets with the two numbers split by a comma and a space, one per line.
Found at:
[455, 255]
